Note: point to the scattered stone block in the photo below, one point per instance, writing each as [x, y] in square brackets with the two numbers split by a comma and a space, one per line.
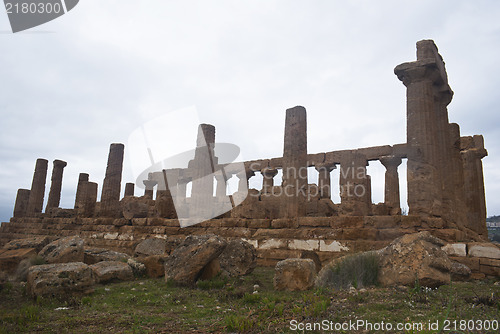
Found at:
[69, 249]
[238, 258]
[10, 258]
[155, 265]
[107, 271]
[294, 274]
[35, 242]
[151, 246]
[186, 262]
[59, 279]
[487, 250]
[455, 249]
[95, 255]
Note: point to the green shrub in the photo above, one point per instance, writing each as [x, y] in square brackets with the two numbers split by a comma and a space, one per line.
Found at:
[238, 323]
[358, 270]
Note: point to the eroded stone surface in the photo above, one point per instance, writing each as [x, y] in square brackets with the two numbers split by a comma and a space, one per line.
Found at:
[69, 249]
[107, 271]
[294, 274]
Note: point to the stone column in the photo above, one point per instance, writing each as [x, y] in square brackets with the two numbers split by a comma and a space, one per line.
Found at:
[428, 94]
[22, 198]
[243, 178]
[56, 184]
[82, 181]
[355, 185]
[89, 199]
[35, 202]
[149, 184]
[203, 167]
[220, 191]
[268, 175]
[391, 191]
[295, 163]
[474, 189]
[110, 197]
[129, 189]
[459, 208]
[324, 179]
[164, 203]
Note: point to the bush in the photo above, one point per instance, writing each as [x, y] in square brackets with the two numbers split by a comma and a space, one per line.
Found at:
[357, 270]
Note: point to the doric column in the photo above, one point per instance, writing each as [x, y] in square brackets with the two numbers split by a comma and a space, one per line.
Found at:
[474, 189]
[149, 190]
[164, 203]
[295, 163]
[220, 191]
[129, 189]
[83, 178]
[56, 184]
[268, 175]
[111, 187]
[391, 192]
[243, 178]
[428, 94]
[89, 199]
[22, 198]
[35, 202]
[355, 185]
[324, 179]
[459, 208]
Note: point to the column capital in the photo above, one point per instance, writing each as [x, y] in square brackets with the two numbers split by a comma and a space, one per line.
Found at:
[150, 184]
[325, 166]
[269, 172]
[390, 161]
[60, 163]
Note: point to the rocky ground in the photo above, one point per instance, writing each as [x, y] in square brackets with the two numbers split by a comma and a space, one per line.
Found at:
[245, 304]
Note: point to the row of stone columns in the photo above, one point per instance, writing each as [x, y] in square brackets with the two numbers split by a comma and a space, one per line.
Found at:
[30, 202]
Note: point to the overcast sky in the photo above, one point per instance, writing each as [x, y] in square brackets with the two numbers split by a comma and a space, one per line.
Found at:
[71, 87]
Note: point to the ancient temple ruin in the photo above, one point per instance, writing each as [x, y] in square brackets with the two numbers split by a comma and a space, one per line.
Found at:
[444, 181]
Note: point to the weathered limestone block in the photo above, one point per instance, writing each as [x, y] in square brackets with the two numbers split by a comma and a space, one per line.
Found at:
[35, 202]
[56, 184]
[186, 263]
[415, 256]
[455, 249]
[94, 255]
[487, 250]
[151, 246]
[134, 207]
[238, 258]
[295, 163]
[110, 196]
[107, 271]
[69, 249]
[21, 206]
[10, 259]
[294, 274]
[34, 242]
[59, 279]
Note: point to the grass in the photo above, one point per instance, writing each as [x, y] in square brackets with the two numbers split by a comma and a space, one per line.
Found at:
[231, 306]
[358, 271]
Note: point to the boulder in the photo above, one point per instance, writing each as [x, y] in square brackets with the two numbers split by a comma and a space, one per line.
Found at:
[59, 279]
[107, 271]
[10, 258]
[415, 256]
[151, 246]
[35, 242]
[459, 271]
[94, 255]
[69, 249]
[186, 263]
[294, 274]
[238, 258]
[155, 265]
